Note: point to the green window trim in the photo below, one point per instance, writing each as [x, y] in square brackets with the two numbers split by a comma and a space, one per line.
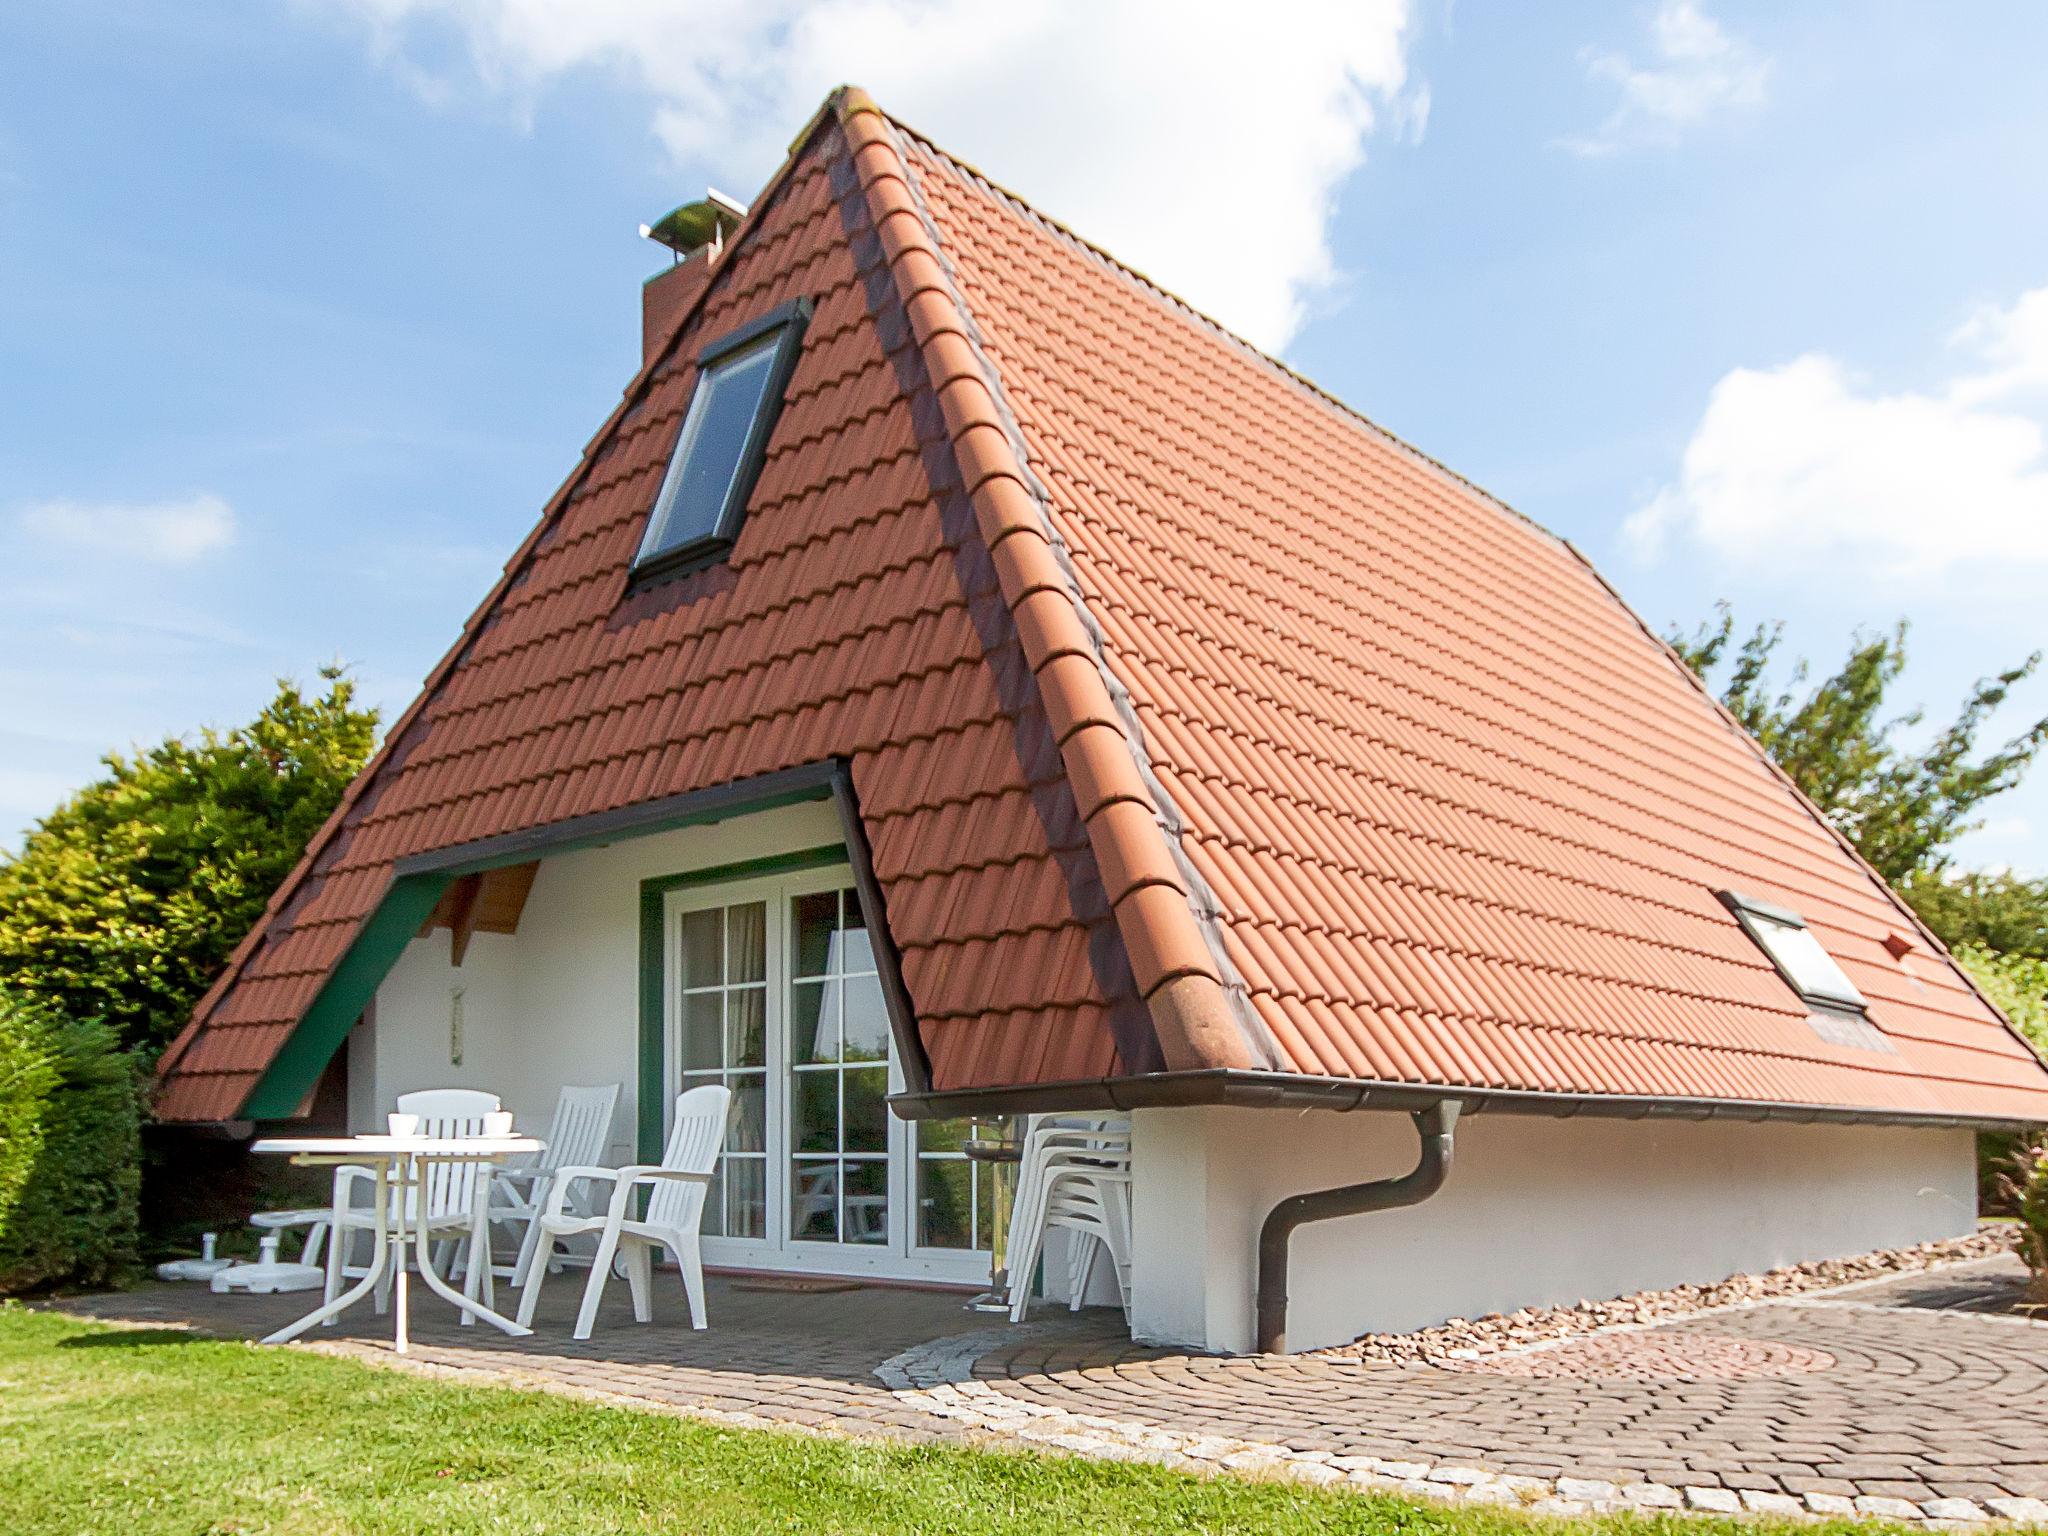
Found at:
[653, 1063]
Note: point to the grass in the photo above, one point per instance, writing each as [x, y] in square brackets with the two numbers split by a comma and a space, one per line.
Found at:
[140, 1432]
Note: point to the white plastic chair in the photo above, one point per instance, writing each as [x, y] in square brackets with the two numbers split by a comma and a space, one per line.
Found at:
[578, 1136]
[675, 1207]
[1076, 1178]
[451, 1210]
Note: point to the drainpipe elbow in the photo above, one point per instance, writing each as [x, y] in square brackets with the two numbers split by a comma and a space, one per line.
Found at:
[1436, 1129]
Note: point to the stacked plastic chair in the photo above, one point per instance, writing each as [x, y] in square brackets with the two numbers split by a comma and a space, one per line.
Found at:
[1075, 1177]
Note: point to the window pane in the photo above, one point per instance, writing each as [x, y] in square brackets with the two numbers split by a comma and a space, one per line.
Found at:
[814, 1112]
[748, 1129]
[945, 1193]
[746, 1185]
[984, 1205]
[702, 1026]
[942, 1135]
[714, 1201]
[813, 1021]
[814, 1199]
[701, 945]
[813, 920]
[856, 952]
[1812, 969]
[746, 942]
[867, 1202]
[746, 1027]
[866, 1020]
[728, 397]
[867, 1110]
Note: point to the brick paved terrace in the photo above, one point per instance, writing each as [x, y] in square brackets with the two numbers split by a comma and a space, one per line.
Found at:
[1905, 1398]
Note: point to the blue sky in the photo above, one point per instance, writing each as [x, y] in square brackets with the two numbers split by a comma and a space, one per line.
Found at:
[310, 306]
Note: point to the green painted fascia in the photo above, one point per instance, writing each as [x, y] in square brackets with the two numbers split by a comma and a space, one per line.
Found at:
[297, 1067]
[603, 830]
[653, 1023]
[420, 881]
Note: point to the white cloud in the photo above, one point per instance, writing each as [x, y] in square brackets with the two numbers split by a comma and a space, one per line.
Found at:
[1804, 461]
[1695, 71]
[1202, 143]
[173, 532]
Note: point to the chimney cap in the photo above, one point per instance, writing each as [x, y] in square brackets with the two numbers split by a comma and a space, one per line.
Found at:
[695, 225]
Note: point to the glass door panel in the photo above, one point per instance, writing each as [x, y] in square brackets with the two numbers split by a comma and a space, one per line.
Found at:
[839, 1075]
[721, 1014]
[955, 1196]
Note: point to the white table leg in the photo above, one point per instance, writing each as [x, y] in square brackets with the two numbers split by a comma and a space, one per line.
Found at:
[448, 1292]
[380, 1256]
[476, 1277]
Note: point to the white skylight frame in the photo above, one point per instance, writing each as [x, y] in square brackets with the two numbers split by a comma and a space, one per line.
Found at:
[1800, 958]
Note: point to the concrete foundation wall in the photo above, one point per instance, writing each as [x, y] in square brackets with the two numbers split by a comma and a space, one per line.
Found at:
[560, 1001]
[1535, 1212]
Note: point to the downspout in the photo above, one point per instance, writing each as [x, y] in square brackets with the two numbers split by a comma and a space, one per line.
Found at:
[1435, 1126]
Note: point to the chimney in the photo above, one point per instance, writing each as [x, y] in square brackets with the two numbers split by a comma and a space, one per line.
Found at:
[696, 232]
[666, 298]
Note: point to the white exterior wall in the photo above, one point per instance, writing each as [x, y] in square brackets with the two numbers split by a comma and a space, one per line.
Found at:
[560, 1001]
[1536, 1212]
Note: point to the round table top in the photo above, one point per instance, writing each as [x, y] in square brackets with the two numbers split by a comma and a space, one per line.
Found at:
[382, 1148]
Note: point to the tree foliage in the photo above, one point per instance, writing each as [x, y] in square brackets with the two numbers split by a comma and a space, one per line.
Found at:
[2018, 984]
[126, 900]
[70, 1169]
[1996, 911]
[1902, 807]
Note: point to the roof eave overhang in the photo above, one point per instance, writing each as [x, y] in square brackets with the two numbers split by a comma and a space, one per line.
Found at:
[418, 880]
[1281, 1090]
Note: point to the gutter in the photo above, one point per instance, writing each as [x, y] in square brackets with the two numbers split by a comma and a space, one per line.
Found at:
[1436, 1126]
[1283, 1090]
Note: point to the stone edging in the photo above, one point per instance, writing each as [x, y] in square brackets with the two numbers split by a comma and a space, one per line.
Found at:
[938, 1378]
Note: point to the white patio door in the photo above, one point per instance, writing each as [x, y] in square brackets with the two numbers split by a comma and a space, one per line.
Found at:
[771, 988]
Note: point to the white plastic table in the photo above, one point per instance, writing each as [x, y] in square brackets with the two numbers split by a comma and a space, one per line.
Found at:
[408, 1157]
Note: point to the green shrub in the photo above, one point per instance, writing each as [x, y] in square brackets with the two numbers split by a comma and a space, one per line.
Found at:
[28, 1075]
[2018, 984]
[2026, 1185]
[70, 1113]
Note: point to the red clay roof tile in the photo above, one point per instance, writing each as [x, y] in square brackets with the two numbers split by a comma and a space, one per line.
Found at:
[1160, 674]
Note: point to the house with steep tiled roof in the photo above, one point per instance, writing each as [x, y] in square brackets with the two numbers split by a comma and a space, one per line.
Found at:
[960, 680]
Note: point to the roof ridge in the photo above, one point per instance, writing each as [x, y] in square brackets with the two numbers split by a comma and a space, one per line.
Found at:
[1197, 1003]
[1210, 323]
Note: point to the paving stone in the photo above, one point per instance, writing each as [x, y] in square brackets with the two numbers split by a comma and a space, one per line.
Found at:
[1952, 1509]
[1833, 1505]
[2020, 1511]
[1886, 1509]
[1587, 1490]
[1652, 1496]
[1758, 1502]
[1720, 1501]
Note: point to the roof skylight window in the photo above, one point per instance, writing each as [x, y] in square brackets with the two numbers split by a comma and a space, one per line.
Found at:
[1808, 969]
[724, 439]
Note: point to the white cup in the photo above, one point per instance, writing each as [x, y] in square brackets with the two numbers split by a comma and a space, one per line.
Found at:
[402, 1125]
[498, 1123]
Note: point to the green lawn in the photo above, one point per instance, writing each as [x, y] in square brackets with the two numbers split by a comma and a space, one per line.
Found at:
[129, 1431]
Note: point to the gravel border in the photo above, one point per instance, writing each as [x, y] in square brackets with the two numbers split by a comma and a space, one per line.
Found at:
[1462, 1339]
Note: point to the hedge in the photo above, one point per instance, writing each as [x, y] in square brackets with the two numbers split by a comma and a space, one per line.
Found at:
[70, 1157]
